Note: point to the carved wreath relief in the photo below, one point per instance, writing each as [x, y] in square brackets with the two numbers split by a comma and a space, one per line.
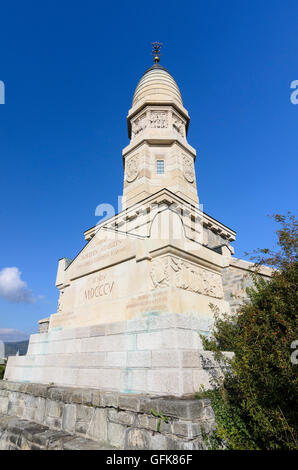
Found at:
[186, 276]
[188, 169]
[159, 273]
[132, 169]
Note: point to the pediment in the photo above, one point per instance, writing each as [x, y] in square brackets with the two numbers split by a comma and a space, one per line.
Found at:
[106, 248]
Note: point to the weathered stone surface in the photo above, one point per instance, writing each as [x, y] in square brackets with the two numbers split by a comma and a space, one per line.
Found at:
[146, 404]
[187, 409]
[98, 427]
[110, 399]
[116, 435]
[83, 418]
[77, 396]
[186, 429]
[54, 409]
[53, 423]
[111, 419]
[137, 439]
[39, 410]
[173, 443]
[84, 444]
[3, 404]
[56, 393]
[69, 418]
[122, 417]
[129, 402]
[49, 439]
[96, 397]
[158, 441]
[25, 435]
[147, 422]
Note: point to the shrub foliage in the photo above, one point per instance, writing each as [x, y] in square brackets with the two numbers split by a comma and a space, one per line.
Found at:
[256, 403]
[2, 370]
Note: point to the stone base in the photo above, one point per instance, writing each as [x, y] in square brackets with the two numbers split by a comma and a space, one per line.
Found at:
[36, 416]
[160, 354]
[21, 434]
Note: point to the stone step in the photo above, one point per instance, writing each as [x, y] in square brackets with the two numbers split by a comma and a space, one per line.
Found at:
[22, 434]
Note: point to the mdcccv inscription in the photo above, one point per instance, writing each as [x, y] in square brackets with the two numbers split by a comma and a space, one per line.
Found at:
[99, 291]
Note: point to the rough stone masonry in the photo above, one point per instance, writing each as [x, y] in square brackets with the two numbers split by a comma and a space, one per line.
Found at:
[34, 416]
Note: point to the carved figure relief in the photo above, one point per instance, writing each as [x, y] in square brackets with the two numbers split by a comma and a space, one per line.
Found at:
[139, 124]
[188, 169]
[178, 125]
[59, 307]
[186, 276]
[158, 119]
[159, 273]
[196, 279]
[132, 169]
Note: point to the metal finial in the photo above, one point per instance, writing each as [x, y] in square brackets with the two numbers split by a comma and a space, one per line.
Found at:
[156, 46]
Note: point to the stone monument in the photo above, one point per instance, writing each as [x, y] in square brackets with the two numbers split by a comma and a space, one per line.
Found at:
[136, 298]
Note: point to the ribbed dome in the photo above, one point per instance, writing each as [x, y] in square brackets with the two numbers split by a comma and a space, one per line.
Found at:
[157, 85]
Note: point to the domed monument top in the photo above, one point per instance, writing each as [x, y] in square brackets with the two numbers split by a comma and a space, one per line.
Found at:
[157, 85]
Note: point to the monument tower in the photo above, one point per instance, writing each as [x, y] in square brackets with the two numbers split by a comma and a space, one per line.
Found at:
[158, 155]
[133, 301]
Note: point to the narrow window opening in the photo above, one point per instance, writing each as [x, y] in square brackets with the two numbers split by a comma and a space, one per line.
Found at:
[160, 167]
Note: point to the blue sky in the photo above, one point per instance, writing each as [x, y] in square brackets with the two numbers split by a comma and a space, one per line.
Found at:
[70, 70]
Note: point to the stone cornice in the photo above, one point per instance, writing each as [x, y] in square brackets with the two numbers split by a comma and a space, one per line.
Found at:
[251, 267]
[163, 196]
[165, 140]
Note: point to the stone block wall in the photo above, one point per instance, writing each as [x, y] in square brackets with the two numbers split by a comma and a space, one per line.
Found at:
[157, 355]
[110, 419]
[237, 278]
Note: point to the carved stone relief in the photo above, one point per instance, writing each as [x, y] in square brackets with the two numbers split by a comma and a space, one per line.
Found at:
[196, 279]
[188, 169]
[159, 273]
[158, 119]
[186, 276]
[139, 124]
[178, 125]
[59, 307]
[132, 169]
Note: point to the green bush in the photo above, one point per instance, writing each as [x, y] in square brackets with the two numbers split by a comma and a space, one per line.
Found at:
[255, 405]
[2, 370]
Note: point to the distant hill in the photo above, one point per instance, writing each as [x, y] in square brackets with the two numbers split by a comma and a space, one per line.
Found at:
[12, 348]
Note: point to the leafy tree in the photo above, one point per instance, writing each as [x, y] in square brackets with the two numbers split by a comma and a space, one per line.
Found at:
[256, 403]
